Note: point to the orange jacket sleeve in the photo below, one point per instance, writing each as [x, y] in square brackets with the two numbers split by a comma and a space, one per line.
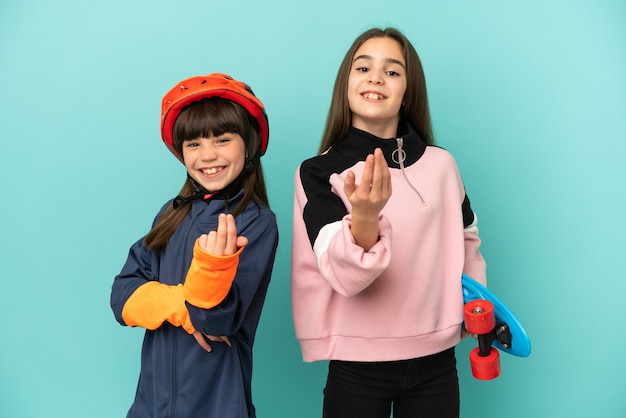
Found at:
[209, 277]
[154, 303]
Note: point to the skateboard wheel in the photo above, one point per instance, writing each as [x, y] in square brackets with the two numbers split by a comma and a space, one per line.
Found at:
[479, 317]
[485, 368]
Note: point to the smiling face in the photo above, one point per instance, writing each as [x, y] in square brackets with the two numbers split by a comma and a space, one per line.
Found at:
[216, 161]
[376, 86]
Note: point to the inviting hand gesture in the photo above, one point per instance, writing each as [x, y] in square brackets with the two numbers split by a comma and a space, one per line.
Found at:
[368, 198]
[220, 242]
[223, 240]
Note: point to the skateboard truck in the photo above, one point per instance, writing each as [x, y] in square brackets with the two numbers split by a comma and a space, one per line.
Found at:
[500, 333]
[481, 320]
[495, 326]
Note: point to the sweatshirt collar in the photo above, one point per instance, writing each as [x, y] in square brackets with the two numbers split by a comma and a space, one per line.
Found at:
[359, 144]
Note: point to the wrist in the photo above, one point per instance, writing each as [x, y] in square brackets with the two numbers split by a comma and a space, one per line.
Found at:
[365, 232]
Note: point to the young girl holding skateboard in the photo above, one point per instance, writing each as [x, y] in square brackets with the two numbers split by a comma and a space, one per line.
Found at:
[197, 282]
[383, 231]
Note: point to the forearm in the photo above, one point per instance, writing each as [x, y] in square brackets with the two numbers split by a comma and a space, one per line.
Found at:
[154, 303]
[210, 278]
[365, 230]
[243, 285]
[344, 264]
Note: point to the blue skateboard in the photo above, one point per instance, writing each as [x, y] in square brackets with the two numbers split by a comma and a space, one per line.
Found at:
[495, 326]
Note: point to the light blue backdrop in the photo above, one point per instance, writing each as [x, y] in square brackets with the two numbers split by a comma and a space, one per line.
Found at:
[529, 96]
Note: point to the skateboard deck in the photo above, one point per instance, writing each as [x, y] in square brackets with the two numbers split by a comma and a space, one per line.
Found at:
[505, 333]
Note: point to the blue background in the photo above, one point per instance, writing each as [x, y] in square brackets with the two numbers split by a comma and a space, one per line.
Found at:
[529, 96]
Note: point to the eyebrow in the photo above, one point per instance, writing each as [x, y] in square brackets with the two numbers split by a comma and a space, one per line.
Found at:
[388, 60]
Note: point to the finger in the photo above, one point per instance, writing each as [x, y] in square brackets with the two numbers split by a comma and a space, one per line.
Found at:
[203, 343]
[385, 178]
[222, 339]
[349, 184]
[231, 235]
[380, 171]
[209, 247]
[202, 241]
[241, 241]
[368, 174]
[376, 172]
[221, 237]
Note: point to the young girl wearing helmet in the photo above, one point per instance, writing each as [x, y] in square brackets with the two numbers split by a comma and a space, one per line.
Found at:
[197, 281]
[383, 231]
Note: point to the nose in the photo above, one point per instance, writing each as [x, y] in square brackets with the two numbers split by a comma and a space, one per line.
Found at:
[208, 151]
[375, 78]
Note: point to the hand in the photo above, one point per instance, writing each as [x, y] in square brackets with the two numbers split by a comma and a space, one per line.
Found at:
[224, 240]
[200, 338]
[368, 198]
[465, 334]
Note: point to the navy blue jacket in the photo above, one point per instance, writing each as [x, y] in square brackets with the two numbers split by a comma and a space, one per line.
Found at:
[178, 378]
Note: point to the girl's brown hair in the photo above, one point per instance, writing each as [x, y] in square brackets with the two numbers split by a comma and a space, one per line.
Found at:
[415, 109]
[202, 119]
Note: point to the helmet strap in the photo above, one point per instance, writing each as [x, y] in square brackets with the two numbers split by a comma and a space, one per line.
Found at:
[233, 188]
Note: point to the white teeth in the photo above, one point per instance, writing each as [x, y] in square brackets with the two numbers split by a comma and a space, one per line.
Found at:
[211, 170]
[373, 96]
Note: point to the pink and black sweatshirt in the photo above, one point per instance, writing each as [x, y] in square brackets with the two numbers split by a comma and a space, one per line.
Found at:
[402, 299]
